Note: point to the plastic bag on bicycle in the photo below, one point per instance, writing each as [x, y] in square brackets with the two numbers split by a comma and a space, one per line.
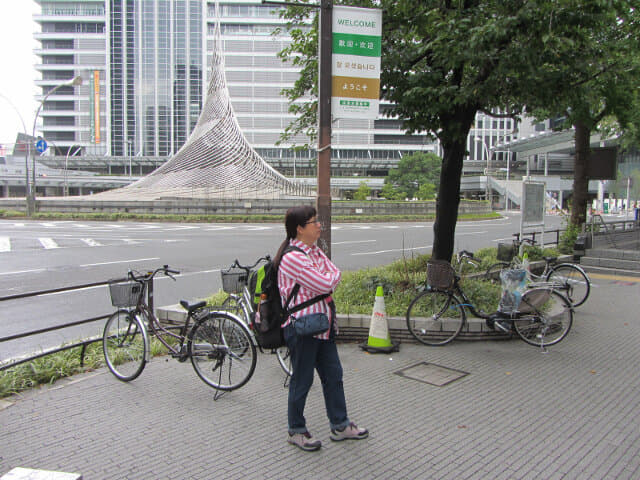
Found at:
[513, 285]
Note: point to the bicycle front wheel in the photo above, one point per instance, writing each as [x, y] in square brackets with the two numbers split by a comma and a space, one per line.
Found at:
[284, 359]
[221, 351]
[435, 317]
[125, 345]
[572, 281]
[544, 317]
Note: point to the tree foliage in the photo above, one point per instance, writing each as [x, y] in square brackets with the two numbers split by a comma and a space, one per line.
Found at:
[595, 85]
[444, 61]
[362, 192]
[418, 172]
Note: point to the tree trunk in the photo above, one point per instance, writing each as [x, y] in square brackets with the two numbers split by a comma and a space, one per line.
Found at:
[444, 228]
[580, 179]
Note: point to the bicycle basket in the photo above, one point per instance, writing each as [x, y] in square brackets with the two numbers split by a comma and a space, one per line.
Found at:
[233, 279]
[440, 274]
[125, 294]
[506, 252]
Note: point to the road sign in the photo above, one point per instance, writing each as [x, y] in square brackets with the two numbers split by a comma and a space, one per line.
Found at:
[357, 45]
[41, 145]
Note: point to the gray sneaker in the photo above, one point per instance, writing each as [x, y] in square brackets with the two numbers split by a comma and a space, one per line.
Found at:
[304, 441]
[350, 432]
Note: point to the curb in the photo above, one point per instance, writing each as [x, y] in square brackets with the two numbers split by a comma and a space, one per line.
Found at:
[355, 327]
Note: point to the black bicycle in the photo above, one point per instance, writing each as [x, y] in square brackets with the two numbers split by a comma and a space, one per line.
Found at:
[218, 344]
[437, 315]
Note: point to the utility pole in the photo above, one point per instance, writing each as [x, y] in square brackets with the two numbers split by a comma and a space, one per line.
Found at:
[323, 201]
[325, 45]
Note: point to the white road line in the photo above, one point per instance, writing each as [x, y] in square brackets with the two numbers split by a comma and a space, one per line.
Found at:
[353, 241]
[471, 233]
[48, 243]
[50, 225]
[5, 244]
[91, 242]
[22, 271]
[393, 250]
[18, 224]
[119, 261]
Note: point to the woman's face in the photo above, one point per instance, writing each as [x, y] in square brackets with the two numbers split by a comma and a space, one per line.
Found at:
[310, 231]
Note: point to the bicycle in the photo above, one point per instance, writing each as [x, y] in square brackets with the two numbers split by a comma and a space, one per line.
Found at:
[218, 344]
[243, 303]
[437, 315]
[563, 276]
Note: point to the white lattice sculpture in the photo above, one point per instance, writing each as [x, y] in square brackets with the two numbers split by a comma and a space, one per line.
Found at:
[216, 161]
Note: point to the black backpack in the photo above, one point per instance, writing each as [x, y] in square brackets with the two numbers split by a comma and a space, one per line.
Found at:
[270, 313]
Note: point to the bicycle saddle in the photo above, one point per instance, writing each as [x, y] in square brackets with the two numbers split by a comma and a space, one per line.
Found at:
[192, 308]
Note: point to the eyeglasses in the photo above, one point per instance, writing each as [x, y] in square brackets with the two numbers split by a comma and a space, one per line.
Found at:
[313, 221]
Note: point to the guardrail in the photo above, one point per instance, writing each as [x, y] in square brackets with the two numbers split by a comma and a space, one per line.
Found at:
[14, 362]
[540, 234]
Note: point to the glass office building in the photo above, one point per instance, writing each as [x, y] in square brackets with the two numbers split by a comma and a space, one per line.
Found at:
[145, 64]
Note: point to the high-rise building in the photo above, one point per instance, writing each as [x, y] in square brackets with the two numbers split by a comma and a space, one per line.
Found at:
[145, 65]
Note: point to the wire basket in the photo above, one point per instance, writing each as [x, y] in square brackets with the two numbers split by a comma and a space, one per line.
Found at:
[233, 279]
[440, 274]
[125, 294]
[506, 252]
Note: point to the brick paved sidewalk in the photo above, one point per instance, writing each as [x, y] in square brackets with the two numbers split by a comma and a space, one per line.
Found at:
[573, 413]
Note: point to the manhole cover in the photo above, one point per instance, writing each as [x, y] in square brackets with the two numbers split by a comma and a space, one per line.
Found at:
[431, 373]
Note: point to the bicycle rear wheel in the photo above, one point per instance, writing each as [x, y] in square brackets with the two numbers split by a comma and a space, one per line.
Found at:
[544, 317]
[435, 317]
[493, 272]
[125, 345]
[572, 281]
[221, 351]
[284, 359]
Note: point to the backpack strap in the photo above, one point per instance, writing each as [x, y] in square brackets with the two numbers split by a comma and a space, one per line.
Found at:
[296, 288]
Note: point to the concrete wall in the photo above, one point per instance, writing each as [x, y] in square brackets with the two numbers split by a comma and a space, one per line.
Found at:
[236, 207]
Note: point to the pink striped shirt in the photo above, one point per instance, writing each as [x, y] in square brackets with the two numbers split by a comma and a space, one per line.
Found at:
[316, 275]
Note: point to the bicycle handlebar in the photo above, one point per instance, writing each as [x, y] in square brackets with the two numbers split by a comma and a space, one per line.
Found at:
[465, 253]
[149, 275]
[266, 258]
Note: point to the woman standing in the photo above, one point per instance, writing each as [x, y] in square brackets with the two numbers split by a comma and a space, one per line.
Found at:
[316, 275]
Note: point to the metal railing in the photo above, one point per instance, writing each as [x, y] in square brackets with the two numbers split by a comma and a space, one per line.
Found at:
[540, 235]
[84, 343]
[612, 231]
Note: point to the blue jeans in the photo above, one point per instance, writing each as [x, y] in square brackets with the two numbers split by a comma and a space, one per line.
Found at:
[307, 354]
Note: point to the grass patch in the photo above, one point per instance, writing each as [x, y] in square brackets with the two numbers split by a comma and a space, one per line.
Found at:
[401, 281]
[50, 368]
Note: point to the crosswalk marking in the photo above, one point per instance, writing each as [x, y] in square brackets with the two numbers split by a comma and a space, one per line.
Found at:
[48, 243]
[5, 244]
[91, 242]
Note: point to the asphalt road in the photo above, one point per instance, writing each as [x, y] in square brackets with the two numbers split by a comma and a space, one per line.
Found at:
[36, 255]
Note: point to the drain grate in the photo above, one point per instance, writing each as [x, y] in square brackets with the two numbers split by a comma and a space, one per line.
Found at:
[431, 373]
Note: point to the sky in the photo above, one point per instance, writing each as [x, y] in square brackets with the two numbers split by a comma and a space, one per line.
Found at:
[17, 73]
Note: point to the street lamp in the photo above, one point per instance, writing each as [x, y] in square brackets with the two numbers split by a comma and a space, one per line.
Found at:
[65, 193]
[486, 150]
[26, 153]
[129, 142]
[31, 201]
